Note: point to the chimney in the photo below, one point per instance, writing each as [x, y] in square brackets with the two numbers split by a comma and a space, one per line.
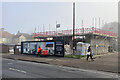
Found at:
[18, 32]
[2, 29]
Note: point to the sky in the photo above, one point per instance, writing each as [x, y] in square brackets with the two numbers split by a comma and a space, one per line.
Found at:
[25, 16]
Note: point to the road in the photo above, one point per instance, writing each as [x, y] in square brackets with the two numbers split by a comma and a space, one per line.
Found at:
[23, 69]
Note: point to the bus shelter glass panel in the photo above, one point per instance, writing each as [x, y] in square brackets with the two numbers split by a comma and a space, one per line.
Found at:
[50, 47]
[41, 45]
[33, 48]
[25, 47]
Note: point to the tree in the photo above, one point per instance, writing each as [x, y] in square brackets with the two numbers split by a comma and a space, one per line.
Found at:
[112, 27]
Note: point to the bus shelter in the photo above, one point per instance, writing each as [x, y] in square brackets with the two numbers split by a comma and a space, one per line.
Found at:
[50, 47]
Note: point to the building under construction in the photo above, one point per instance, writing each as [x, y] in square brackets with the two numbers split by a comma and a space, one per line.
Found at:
[101, 41]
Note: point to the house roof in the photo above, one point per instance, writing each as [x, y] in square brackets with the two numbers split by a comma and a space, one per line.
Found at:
[24, 34]
[5, 34]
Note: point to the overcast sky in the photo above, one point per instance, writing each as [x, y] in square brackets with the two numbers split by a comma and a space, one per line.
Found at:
[25, 16]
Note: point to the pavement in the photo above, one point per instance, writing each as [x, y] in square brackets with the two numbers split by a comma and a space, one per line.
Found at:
[24, 69]
[105, 62]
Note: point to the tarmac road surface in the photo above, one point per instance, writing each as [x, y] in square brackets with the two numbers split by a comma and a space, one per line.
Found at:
[23, 69]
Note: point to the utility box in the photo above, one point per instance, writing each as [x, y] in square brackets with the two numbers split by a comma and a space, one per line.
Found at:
[82, 48]
[17, 49]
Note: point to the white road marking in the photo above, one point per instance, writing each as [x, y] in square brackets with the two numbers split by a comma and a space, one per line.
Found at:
[10, 63]
[8, 59]
[20, 61]
[18, 70]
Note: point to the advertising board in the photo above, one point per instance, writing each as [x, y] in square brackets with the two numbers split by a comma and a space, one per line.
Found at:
[49, 47]
[59, 48]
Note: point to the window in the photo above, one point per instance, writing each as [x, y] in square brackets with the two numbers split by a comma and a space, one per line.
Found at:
[4, 39]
